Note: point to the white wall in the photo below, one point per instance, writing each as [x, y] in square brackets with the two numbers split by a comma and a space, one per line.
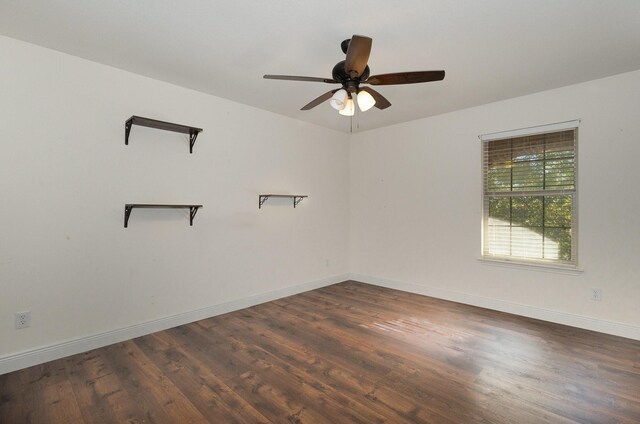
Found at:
[65, 175]
[416, 207]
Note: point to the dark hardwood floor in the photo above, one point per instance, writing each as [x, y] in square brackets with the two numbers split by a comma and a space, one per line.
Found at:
[348, 353]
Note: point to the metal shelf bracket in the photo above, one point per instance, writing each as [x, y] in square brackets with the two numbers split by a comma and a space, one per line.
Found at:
[193, 210]
[192, 139]
[261, 199]
[127, 131]
[127, 214]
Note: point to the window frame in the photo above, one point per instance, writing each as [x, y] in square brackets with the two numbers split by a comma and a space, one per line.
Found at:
[533, 263]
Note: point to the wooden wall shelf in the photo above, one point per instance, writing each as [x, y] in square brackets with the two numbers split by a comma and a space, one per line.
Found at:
[161, 125]
[193, 209]
[297, 198]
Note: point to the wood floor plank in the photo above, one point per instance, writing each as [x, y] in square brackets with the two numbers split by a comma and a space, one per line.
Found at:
[13, 407]
[314, 396]
[213, 398]
[47, 388]
[222, 358]
[346, 353]
[357, 386]
[447, 400]
[163, 400]
[97, 389]
[60, 400]
[284, 366]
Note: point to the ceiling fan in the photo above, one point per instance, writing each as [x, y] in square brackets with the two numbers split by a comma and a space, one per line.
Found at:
[352, 72]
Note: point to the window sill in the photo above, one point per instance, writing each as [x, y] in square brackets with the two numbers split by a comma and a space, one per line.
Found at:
[533, 266]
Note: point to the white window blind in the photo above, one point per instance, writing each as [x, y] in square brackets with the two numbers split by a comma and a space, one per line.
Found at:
[529, 195]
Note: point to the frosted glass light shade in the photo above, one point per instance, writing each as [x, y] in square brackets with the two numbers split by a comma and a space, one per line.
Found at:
[349, 108]
[365, 101]
[338, 100]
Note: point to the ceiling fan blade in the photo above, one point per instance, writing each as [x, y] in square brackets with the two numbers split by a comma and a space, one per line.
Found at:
[315, 102]
[381, 101]
[297, 78]
[357, 55]
[405, 78]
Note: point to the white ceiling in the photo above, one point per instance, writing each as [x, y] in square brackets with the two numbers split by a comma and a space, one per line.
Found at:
[490, 49]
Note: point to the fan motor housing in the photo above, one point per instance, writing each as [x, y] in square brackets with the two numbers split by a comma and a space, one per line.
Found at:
[340, 74]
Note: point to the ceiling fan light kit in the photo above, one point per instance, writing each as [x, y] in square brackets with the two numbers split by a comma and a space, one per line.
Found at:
[352, 72]
[365, 101]
[344, 104]
[349, 108]
[339, 99]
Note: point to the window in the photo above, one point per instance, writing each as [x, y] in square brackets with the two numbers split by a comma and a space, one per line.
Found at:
[529, 195]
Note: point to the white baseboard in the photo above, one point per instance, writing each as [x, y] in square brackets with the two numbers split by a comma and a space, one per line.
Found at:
[44, 354]
[573, 320]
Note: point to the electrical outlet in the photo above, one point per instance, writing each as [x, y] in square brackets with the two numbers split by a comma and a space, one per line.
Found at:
[23, 319]
[596, 294]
